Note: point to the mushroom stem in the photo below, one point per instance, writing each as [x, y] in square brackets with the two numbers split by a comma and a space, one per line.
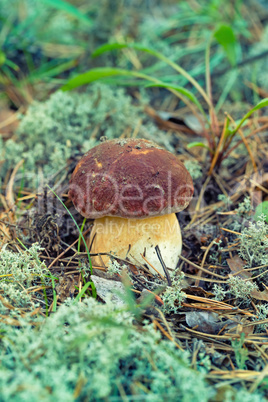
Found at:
[132, 237]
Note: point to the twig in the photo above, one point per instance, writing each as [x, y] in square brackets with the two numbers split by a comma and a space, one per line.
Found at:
[158, 252]
[67, 249]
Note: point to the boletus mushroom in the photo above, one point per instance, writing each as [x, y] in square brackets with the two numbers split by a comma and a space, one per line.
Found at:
[132, 188]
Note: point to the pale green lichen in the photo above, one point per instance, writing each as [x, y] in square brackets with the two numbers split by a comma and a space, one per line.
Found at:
[219, 292]
[194, 168]
[173, 295]
[226, 200]
[18, 271]
[245, 207]
[234, 395]
[254, 243]
[89, 351]
[240, 288]
[115, 268]
[237, 287]
[262, 315]
[69, 123]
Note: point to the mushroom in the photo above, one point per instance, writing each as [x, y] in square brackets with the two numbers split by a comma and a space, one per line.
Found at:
[132, 188]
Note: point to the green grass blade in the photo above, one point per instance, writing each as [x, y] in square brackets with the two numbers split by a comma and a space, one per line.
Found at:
[112, 46]
[94, 75]
[94, 293]
[69, 9]
[80, 233]
[84, 289]
[80, 237]
[104, 72]
[45, 296]
[107, 47]
[44, 290]
[198, 144]
[183, 91]
[12, 65]
[54, 303]
[261, 104]
[46, 71]
[232, 76]
[2, 58]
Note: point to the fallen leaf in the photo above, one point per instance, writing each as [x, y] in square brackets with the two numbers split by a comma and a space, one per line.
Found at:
[260, 295]
[108, 290]
[167, 121]
[236, 264]
[207, 322]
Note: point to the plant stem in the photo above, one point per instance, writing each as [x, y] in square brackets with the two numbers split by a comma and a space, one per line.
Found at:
[213, 118]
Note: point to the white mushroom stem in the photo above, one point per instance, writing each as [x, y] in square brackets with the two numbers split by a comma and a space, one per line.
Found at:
[132, 237]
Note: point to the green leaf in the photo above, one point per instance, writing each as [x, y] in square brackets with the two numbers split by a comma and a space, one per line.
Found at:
[2, 58]
[94, 75]
[182, 91]
[10, 64]
[83, 290]
[198, 144]
[44, 72]
[54, 305]
[112, 46]
[107, 47]
[226, 38]
[104, 72]
[262, 208]
[261, 104]
[80, 233]
[68, 8]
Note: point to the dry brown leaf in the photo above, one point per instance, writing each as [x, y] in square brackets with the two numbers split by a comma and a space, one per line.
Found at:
[260, 295]
[236, 264]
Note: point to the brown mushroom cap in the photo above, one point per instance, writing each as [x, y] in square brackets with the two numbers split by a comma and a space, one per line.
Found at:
[129, 178]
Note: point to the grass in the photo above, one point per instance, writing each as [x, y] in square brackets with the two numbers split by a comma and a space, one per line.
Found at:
[218, 144]
[204, 337]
